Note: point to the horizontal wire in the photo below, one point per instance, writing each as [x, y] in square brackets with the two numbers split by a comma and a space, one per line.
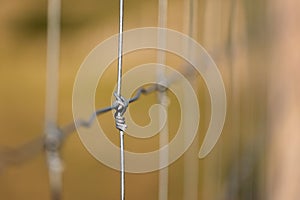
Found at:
[140, 91]
[27, 151]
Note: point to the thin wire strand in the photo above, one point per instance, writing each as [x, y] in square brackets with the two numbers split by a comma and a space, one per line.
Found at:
[163, 99]
[52, 140]
[27, 151]
[191, 163]
[53, 47]
[120, 48]
[122, 165]
[119, 84]
[16, 156]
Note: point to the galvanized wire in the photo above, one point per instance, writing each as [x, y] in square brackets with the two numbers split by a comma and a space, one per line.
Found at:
[27, 151]
[162, 99]
[121, 104]
[191, 163]
[52, 134]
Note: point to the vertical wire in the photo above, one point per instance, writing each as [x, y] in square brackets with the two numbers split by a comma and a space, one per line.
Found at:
[162, 98]
[212, 37]
[122, 165]
[120, 47]
[119, 84]
[53, 40]
[206, 174]
[191, 163]
[53, 51]
[235, 111]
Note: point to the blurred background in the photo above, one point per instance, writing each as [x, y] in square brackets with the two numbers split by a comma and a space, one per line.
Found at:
[256, 47]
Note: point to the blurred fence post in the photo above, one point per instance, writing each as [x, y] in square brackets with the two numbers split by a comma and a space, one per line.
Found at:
[283, 170]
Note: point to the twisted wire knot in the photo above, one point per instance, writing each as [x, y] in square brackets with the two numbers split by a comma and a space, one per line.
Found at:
[120, 105]
[53, 140]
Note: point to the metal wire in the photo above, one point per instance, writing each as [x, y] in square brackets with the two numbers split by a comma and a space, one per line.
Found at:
[52, 139]
[120, 48]
[53, 48]
[191, 163]
[163, 100]
[27, 151]
[120, 109]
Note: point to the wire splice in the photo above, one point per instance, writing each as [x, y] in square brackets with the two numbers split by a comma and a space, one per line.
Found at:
[53, 140]
[120, 106]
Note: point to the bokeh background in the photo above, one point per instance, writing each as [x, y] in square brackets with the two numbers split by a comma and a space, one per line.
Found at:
[256, 47]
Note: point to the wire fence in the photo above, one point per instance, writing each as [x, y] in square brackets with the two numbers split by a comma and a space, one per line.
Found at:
[59, 134]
